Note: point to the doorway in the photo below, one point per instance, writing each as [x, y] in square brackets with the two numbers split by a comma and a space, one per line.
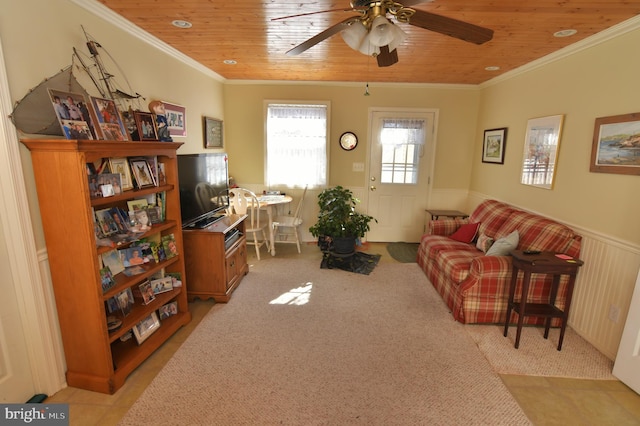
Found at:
[400, 172]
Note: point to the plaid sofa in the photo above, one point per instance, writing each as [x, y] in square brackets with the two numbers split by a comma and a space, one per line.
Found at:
[476, 286]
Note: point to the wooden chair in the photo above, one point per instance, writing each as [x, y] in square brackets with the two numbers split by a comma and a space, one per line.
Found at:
[287, 226]
[243, 201]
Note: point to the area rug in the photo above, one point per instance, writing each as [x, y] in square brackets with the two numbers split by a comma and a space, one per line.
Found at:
[403, 252]
[360, 263]
[536, 356]
[300, 345]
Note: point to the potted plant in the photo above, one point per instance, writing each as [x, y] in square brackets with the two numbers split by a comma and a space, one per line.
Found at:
[339, 225]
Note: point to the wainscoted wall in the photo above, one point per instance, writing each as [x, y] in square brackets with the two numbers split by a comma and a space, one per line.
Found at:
[605, 283]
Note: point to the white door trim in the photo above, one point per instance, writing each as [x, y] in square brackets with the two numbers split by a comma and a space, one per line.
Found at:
[34, 295]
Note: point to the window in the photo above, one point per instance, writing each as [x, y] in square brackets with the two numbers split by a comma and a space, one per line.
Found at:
[297, 149]
[402, 142]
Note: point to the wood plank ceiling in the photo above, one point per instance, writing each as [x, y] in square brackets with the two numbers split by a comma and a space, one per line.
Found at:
[243, 31]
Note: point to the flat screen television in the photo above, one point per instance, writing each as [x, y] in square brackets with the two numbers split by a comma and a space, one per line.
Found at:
[204, 188]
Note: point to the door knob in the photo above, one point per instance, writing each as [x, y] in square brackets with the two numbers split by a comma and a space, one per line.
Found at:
[373, 188]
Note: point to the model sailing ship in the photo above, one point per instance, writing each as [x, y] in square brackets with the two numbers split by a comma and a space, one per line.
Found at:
[33, 113]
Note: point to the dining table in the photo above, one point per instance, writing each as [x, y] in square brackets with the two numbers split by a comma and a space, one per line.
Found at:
[271, 204]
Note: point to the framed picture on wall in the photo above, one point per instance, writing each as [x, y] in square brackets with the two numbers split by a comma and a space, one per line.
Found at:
[493, 145]
[176, 119]
[212, 133]
[616, 145]
[541, 145]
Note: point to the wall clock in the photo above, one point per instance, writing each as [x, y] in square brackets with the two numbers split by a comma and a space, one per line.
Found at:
[348, 141]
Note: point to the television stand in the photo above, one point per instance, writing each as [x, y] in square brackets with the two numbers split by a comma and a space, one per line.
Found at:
[216, 258]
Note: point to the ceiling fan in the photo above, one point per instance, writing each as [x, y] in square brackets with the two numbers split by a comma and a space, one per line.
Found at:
[372, 33]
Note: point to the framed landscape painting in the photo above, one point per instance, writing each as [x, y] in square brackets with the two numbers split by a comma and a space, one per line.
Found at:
[616, 145]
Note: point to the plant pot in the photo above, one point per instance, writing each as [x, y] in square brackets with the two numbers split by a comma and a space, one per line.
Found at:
[344, 245]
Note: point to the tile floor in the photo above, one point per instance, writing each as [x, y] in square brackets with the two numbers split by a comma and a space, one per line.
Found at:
[546, 401]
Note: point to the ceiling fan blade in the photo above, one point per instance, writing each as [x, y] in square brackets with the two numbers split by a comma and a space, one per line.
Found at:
[386, 58]
[312, 13]
[451, 27]
[322, 36]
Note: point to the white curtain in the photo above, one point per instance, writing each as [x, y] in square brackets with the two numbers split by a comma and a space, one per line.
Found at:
[296, 145]
[402, 141]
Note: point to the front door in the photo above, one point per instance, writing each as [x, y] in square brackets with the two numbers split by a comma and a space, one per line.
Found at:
[627, 363]
[400, 172]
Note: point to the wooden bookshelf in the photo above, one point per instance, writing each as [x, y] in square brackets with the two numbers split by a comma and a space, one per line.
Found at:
[96, 359]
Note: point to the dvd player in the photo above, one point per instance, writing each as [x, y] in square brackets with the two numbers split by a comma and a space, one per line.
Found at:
[231, 238]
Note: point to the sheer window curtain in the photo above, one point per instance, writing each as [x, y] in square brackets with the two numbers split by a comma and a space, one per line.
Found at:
[296, 145]
[402, 142]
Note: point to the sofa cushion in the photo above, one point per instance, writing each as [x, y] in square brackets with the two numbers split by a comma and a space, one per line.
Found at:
[537, 232]
[484, 242]
[466, 233]
[456, 264]
[492, 215]
[433, 244]
[505, 245]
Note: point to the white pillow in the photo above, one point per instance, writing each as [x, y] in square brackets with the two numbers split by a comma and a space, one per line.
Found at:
[504, 246]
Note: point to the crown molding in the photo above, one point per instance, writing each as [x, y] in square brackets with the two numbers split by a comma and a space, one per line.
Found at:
[587, 43]
[108, 15]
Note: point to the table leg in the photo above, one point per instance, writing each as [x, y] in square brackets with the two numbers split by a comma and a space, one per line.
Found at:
[512, 290]
[523, 302]
[272, 242]
[567, 305]
[552, 301]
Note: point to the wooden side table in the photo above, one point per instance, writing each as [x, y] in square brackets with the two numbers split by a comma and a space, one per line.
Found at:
[540, 263]
[435, 214]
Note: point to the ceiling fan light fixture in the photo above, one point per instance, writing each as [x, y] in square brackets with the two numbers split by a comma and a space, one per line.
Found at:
[381, 32]
[354, 35]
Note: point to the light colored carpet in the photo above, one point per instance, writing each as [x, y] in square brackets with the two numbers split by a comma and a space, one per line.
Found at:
[539, 357]
[300, 345]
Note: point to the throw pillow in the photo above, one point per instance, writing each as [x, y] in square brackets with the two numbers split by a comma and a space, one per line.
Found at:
[466, 233]
[504, 246]
[484, 242]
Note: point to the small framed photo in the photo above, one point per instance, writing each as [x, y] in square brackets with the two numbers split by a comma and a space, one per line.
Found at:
[121, 166]
[141, 173]
[176, 119]
[168, 310]
[162, 285]
[212, 133]
[616, 144]
[146, 291]
[77, 118]
[109, 184]
[146, 124]
[109, 120]
[493, 145]
[146, 327]
[106, 277]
